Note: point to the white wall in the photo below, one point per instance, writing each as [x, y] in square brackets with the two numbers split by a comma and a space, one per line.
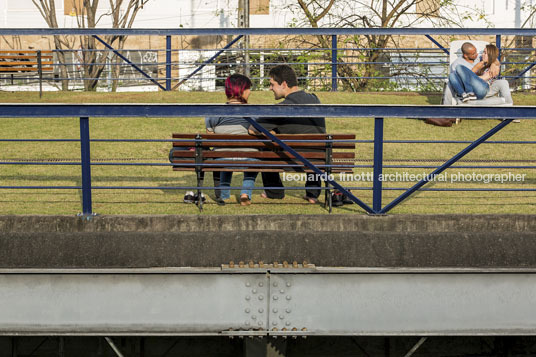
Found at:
[223, 13]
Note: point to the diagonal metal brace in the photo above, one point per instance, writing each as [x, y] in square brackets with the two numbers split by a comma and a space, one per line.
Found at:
[525, 70]
[438, 44]
[129, 62]
[445, 166]
[208, 61]
[309, 164]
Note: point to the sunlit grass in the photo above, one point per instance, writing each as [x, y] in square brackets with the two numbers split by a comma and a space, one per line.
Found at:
[163, 199]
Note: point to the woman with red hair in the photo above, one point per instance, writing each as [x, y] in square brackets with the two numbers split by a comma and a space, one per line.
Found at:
[237, 90]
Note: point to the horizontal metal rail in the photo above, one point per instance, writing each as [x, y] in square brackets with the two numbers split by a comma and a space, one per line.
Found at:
[268, 31]
[20, 110]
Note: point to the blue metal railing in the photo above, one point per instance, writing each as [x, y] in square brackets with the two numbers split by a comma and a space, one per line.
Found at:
[427, 71]
[87, 111]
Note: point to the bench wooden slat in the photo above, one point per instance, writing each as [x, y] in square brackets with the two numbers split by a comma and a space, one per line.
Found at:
[212, 169]
[25, 51]
[248, 141]
[25, 63]
[280, 136]
[5, 57]
[24, 69]
[263, 154]
[221, 144]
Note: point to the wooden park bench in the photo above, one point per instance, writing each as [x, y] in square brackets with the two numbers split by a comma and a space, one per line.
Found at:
[26, 61]
[331, 153]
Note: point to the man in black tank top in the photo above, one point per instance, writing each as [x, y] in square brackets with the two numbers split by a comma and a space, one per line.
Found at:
[284, 84]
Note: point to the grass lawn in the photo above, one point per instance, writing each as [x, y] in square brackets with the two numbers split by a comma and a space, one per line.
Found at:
[167, 201]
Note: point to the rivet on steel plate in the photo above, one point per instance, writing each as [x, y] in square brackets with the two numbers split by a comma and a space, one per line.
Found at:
[305, 264]
[248, 284]
[251, 264]
[275, 311]
[289, 297]
[231, 264]
[275, 298]
[284, 329]
[275, 284]
[288, 284]
[241, 264]
[274, 329]
[287, 323]
[261, 297]
[261, 264]
[248, 310]
[294, 329]
[281, 291]
[254, 317]
[281, 317]
[304, 329]
[288, 311]
[261, 284]
[248, 297]
[276, 264]
[261, 310]
[254, 291]
[285, 264]
[247, 323]
[274, 323]
[260, 323]
[294, 264]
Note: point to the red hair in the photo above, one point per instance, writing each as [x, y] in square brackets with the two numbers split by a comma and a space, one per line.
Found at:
[235, 85]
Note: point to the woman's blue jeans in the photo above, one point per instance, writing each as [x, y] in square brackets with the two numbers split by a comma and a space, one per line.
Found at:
[463, 80]
[247, 184]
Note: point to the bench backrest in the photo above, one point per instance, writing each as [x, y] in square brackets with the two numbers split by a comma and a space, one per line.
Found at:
[327, 151]
[25, 61]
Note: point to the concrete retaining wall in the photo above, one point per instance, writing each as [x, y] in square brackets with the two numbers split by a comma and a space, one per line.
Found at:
[434, 241]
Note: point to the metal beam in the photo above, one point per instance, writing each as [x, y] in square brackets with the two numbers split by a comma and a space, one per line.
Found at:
[267, 31]
[29, 110]
[273, 304]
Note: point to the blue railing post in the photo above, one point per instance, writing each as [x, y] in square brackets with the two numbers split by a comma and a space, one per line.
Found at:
[378, 165]
[168, 63]
[334, 63]
[498, 44]
[86, 166]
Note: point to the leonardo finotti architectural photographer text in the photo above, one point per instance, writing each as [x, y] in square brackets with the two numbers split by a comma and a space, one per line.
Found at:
[411, 177]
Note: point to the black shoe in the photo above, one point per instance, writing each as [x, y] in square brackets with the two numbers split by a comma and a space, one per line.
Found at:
[189, 197]
[337, 199]
[346, 200]
[220, 201]
[203, 198]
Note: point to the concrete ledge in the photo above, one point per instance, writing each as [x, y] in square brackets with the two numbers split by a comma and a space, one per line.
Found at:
[279, 223]
[481, 241]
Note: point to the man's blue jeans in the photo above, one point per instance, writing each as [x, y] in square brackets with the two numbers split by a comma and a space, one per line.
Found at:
[247, 184]
[463, 80]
